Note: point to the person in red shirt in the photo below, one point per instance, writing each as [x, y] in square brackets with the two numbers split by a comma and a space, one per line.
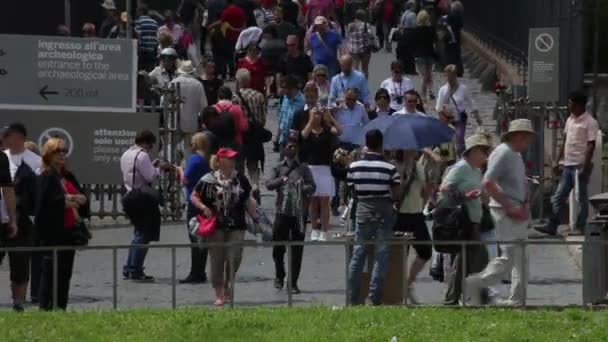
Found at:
[254, 64]
[386, 13]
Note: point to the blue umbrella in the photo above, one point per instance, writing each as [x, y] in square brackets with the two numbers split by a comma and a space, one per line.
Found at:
[409, 132]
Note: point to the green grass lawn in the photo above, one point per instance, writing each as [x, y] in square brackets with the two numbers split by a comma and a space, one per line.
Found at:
[307, 324]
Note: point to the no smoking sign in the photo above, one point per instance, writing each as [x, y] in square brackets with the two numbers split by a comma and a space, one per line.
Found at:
[544, 42]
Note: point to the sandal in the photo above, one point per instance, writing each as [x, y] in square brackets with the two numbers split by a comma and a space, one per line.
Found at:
[219, 302]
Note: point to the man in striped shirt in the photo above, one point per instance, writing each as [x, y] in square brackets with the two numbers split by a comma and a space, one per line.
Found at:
[146, 29]
[375, 183]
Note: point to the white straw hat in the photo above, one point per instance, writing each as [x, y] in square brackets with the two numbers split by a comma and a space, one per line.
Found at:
[519, 125]
[477, 140]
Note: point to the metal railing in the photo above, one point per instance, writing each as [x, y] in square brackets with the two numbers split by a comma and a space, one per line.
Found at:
[346, 243]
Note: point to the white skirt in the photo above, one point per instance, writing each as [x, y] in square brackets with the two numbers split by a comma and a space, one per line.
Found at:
[324, 181]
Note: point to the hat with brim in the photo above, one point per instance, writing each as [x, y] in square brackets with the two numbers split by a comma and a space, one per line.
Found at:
[186, 68]
[320, 20]
[109, 5]
[477, 140]
[519, 126]
[226, 153]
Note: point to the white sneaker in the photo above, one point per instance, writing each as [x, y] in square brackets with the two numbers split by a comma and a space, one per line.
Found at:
[473, 290]
[507, 302]
[323, 236]
[314, 235]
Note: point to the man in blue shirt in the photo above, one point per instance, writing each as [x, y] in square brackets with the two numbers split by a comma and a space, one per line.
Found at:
[348, 78]
[147, 34]
[351, 117]
[292, 102]
[324, 44]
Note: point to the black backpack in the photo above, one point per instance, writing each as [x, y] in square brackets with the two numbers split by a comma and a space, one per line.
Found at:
[25, 189]
[448, 218]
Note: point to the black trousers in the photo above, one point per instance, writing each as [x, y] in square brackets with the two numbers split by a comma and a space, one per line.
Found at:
[198, 256]
[36, 272]
[286, 229]
[65, 265]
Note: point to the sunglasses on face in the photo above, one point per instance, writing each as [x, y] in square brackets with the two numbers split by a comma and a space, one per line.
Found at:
[321, 75]
[62, 151]
[397, 71]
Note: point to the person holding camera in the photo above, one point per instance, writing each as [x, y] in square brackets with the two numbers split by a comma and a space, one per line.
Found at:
[397, 86]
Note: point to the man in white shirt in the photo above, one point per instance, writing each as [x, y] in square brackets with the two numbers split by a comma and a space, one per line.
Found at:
[411, 100]
[24, 165]
[194, 100]
[397, 86]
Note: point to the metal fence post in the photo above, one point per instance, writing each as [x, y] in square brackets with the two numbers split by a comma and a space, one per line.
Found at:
[289, 273]
[524, 271]
[232, 276]
[463, 279]
[404, 268]
[55, 279]
[173, 290]
[346, 271]
[114, 278]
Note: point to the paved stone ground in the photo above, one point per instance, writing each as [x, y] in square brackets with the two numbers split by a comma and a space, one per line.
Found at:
[555, 280]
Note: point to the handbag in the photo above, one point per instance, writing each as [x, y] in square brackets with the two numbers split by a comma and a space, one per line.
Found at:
[487, 223]
[206, 225]
[79, 235]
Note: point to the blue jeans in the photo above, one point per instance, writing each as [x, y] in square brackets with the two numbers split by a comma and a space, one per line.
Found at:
[374, 222]
[566, 184]
[137, 256]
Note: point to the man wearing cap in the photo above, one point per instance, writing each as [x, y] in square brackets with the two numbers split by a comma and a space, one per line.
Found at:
[505, 181]
[194, 100]
[577, 153]
[167, 70]
[324, 45]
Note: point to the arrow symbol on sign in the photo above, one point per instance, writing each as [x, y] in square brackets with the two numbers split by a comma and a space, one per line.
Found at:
[44, 92]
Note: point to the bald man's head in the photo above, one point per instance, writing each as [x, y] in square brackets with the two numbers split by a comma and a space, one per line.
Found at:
[346, 64]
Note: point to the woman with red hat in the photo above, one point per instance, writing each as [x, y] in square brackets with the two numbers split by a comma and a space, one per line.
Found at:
[223, 193]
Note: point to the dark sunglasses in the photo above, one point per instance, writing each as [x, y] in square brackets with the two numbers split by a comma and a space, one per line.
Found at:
[62, 151]
[397, 71]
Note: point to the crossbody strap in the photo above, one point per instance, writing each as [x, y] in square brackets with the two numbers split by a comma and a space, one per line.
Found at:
[134, 168]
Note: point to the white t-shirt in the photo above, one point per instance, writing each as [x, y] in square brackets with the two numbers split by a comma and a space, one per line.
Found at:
[30, 158]
[462, 100]
[397, 90]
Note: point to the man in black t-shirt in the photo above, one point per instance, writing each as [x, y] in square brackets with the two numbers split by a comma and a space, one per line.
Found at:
[8, 211]
[295, 63]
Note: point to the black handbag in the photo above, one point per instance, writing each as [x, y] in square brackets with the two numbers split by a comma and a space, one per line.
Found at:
[79, 235]
[487, 223]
